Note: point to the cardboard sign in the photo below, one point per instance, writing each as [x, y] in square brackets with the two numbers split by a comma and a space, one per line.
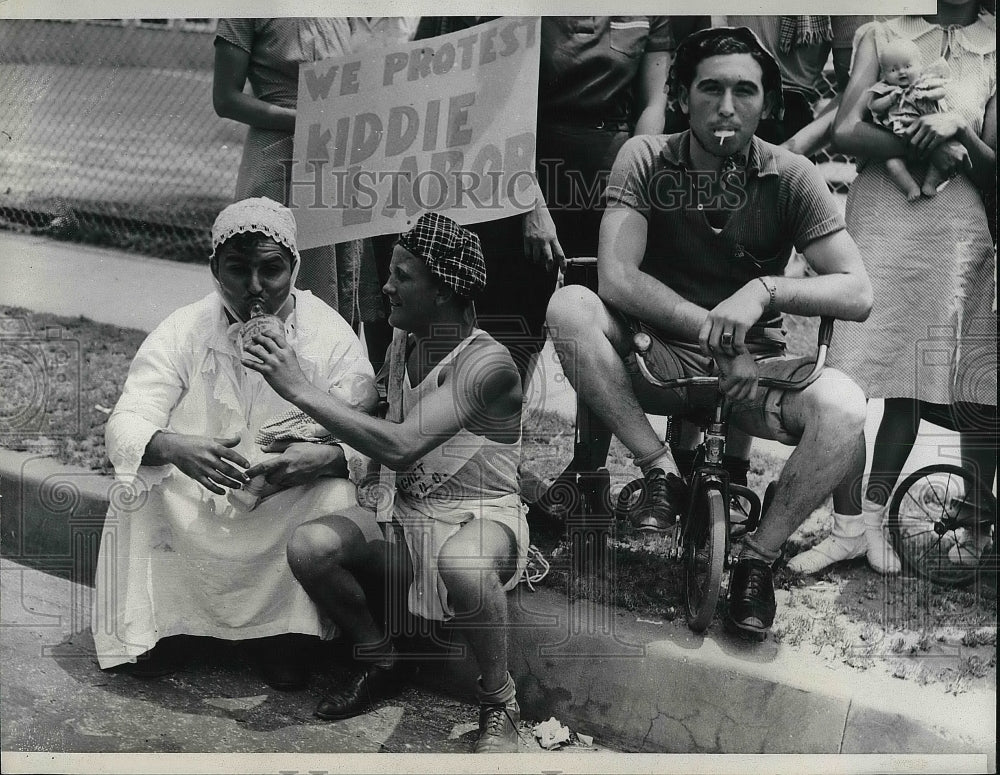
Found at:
[444, 124]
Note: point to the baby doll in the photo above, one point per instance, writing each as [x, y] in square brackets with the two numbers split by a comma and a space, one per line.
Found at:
[903, 95]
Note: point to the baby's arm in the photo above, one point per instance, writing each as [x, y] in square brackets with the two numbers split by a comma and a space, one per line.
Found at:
[880, 106]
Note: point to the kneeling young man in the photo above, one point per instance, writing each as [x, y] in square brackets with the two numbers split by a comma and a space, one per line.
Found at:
[455, 453]
[698, 229]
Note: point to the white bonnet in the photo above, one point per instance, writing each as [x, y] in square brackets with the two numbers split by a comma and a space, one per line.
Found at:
[258, 214]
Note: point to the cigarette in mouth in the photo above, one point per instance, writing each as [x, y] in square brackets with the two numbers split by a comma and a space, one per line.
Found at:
[722, 134]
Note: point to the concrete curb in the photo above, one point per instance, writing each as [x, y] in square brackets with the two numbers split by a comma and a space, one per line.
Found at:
[648, 686]
[660, 687]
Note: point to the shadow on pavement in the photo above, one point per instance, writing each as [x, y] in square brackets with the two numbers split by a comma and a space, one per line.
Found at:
[219, 680]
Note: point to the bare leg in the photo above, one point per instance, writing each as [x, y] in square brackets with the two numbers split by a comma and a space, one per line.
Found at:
[830, 416]
[857, 529]
[847, 494]
[474, 564]
[329, 556]
[591, 345]
[900, 174]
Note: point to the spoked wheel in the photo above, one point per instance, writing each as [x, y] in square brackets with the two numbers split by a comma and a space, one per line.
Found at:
[704, 554]
[940, 519]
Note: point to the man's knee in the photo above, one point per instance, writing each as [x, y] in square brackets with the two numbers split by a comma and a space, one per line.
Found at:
[314, 545]
[461, 563]
[572, 307]
[837, 402]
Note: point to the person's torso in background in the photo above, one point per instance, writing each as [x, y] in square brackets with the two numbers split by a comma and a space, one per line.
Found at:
[589, 63]
[381, 31]
[802, 67]
[278, 46]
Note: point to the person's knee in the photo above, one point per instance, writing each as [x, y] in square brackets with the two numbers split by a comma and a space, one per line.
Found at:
[462, 565]
[313, 546]
[838, 404]
[571, 308]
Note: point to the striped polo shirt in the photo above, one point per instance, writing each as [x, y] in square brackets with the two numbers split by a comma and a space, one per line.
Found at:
[778, 201]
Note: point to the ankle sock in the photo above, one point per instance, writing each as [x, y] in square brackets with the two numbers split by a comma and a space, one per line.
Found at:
[847, 525]
[661, 458]
[751, 549]
[505, 695]
[872, 513]
[880, 553]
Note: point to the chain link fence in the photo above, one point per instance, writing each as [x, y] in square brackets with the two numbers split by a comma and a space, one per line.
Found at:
[838, 169]
[108, 134]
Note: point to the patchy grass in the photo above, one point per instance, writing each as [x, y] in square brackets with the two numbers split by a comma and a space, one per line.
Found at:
[60, 377]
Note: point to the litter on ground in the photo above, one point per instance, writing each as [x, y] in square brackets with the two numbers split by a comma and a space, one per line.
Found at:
[552, 734]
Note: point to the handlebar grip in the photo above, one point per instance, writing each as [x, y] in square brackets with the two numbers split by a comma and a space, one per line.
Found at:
[825, 331]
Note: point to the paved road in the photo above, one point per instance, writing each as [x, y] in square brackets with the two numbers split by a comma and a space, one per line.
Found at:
[55, 698]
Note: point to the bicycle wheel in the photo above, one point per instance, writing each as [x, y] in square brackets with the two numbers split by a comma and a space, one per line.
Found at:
[940, 520]
[704, 554]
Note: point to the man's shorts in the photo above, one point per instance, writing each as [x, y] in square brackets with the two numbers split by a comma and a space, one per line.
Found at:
[426, 529]
[670, 359]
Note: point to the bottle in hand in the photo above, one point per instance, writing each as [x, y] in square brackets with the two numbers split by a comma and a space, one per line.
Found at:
[260, 321]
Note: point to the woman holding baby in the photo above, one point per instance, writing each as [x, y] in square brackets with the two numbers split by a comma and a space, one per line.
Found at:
[930, 346]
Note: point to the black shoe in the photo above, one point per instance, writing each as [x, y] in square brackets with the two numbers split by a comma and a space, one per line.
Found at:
[751, 595]
[284, 675]
[662, 499]
[165, 658]
[282, 660]
[498, 728]
[362, 690]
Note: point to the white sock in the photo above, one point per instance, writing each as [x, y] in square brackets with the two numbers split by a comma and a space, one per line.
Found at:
[661, 459]
[845, 542]
[881, 556]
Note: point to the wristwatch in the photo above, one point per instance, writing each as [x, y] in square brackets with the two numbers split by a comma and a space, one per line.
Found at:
[772, 295]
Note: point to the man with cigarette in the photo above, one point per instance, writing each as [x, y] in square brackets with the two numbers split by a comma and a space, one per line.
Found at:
[694, 241]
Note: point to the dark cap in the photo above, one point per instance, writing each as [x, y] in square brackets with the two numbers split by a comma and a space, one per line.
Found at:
[718, 41]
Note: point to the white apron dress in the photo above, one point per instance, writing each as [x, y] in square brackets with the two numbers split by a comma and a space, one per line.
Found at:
[176, 558]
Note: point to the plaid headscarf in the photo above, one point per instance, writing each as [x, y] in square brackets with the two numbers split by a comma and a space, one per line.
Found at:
[451, 252]
[803, 31]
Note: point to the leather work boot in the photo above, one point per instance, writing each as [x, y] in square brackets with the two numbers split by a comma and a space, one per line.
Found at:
[362, 690]
[663, 497]
[751, 595]
[498, 728]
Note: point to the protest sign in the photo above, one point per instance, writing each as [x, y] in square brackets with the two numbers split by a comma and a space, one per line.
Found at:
[444, 124]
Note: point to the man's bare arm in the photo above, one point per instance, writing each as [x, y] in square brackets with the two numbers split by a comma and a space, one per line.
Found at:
[463, 402]
[624, 286]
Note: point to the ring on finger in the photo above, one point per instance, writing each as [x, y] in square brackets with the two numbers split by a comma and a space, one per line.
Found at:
[726, 340]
